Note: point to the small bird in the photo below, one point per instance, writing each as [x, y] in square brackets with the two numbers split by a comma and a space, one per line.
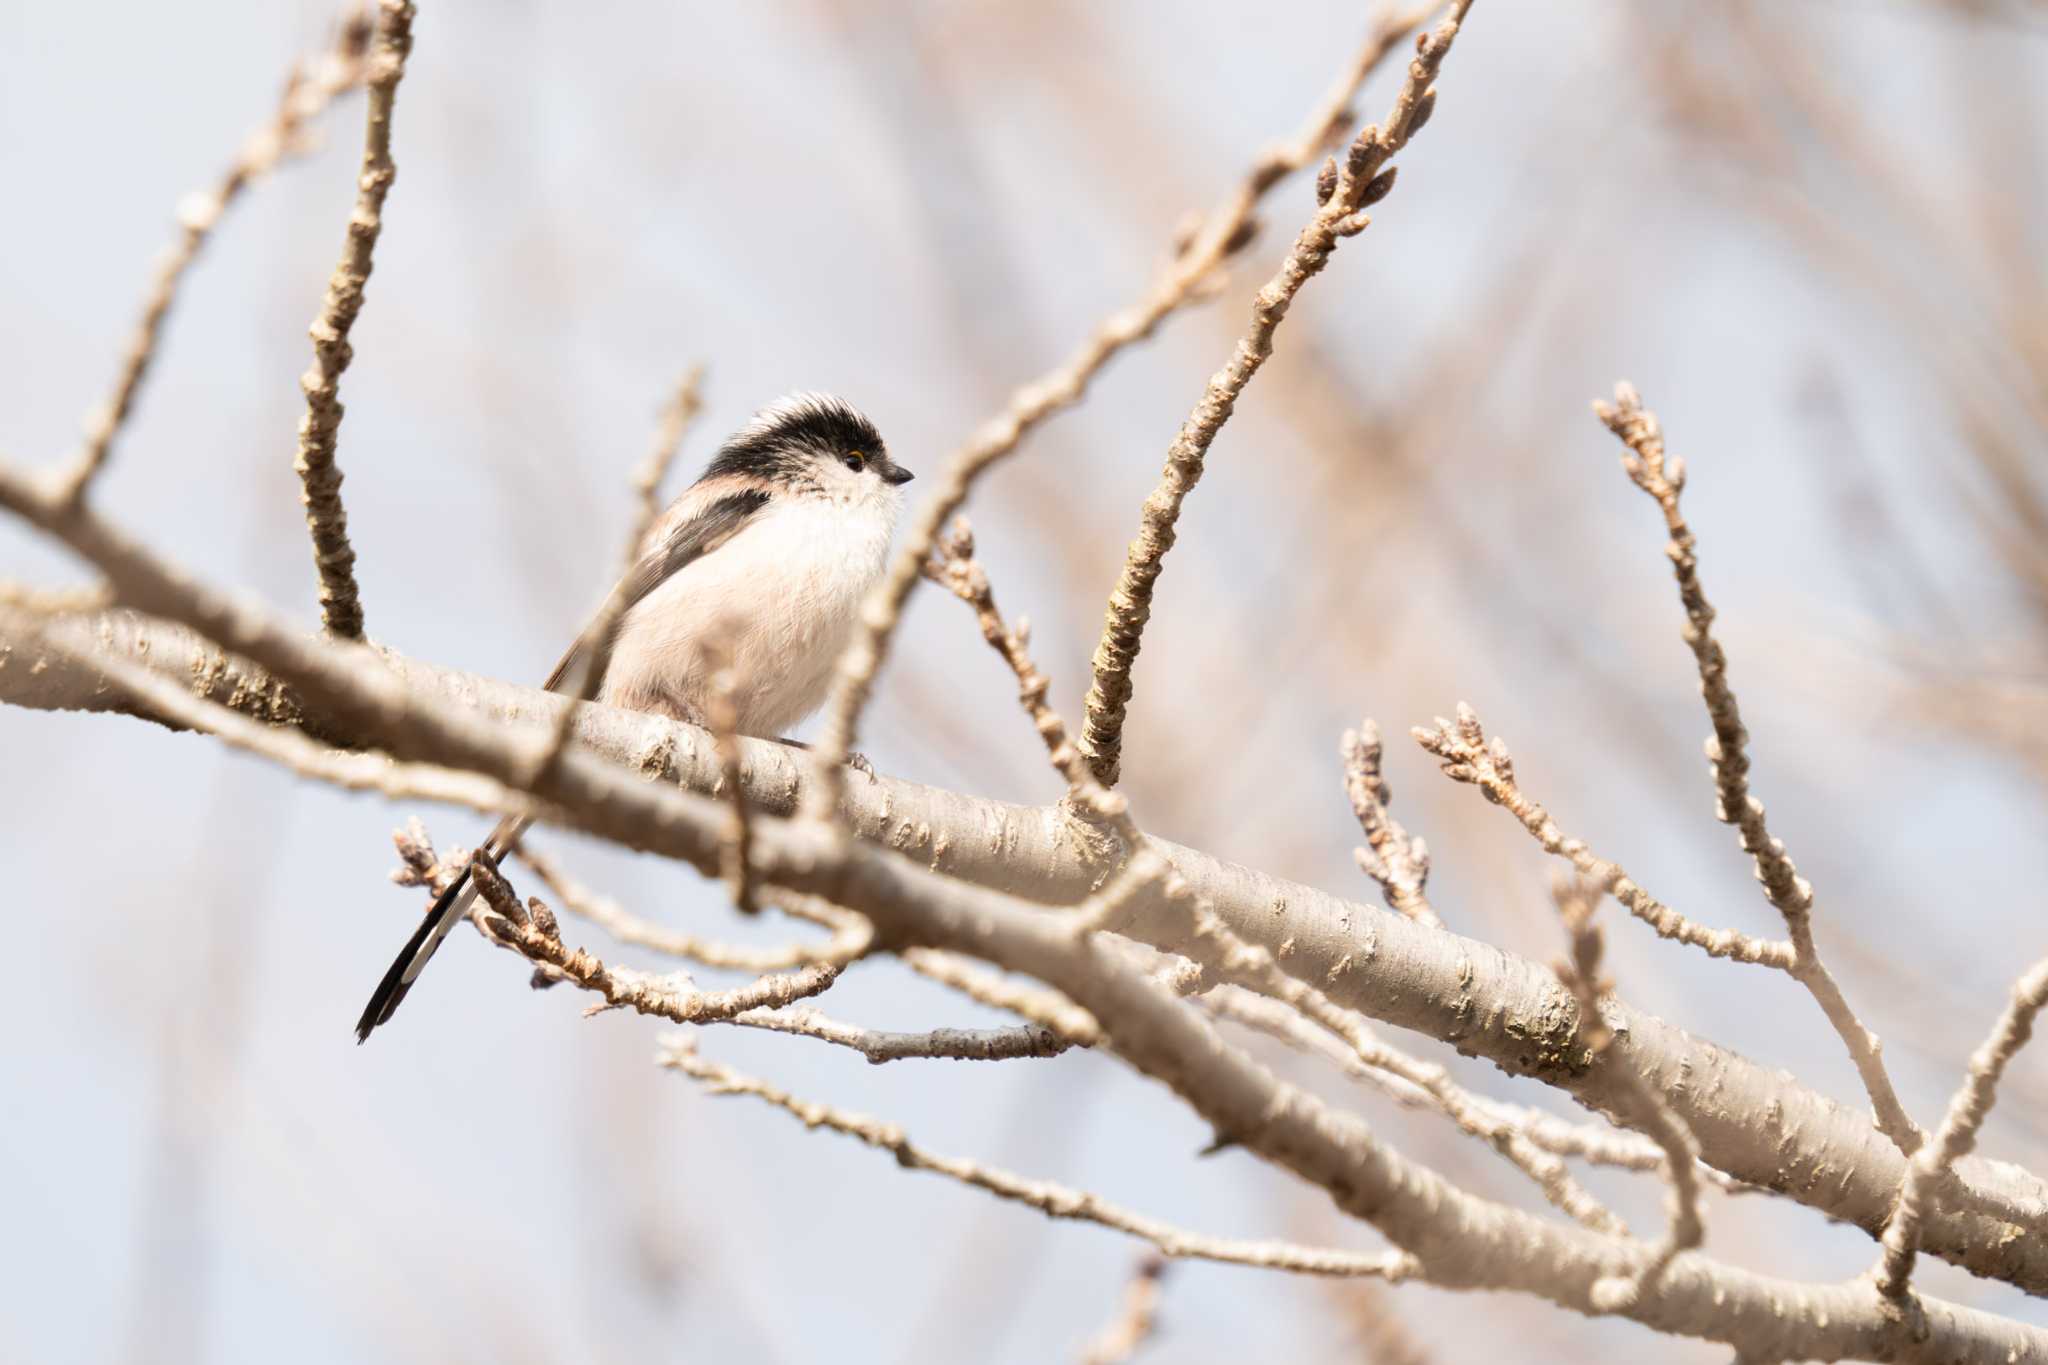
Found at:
[769, 553]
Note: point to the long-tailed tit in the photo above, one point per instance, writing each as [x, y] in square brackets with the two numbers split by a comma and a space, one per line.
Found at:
[770, 554]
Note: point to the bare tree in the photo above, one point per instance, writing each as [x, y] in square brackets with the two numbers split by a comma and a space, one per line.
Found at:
[1090, 931]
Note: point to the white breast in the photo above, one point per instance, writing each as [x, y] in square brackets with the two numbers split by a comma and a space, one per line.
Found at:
[783, 593]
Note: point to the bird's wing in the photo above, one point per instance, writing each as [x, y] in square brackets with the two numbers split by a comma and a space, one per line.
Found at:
[699, 523]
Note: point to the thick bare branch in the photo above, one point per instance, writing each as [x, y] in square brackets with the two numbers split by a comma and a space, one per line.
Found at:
[1343, 195]
[340, 604]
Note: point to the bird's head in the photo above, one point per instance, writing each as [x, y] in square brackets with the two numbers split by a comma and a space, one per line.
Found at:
[814, 445]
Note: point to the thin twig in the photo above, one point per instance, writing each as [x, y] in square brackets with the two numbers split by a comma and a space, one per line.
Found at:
[1190, 275]
[878, 1046]
[626, 927]
[1578, 900]
[1136, 1320]
[1395, 859]
[311, 87]
[1789, 893]
[1468, 756]
[670, 996]
[1055, 1201]
[592, 652]
[1046, 1008]
[1343, 194]
[956, 567]
[1932, 1168]
[735, 852]
[340, 604]
[1598, 1144]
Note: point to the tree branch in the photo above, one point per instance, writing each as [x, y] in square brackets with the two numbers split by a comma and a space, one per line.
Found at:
[1189, 276]
[1343, 195]
[1749, 1120]
[307, 93]
[1788, 892]
[1933, 1165]
[1458, 1240]
[340, 607]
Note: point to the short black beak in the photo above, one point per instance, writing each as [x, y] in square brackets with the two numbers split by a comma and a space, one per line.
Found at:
[897, 475]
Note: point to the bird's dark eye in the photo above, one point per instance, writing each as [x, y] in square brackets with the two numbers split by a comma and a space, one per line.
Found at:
[854, 460]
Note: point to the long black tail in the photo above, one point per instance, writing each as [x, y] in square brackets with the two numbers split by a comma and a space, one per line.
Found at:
[448, 907]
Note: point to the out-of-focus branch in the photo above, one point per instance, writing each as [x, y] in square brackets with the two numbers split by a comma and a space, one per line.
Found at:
[1055, 1201]
[1578, 899]
[1395, 859]
[1190, 275]
[1343, 194]
[1488, 1003]
[32, 602]
[592, 652]
[311, 87]
[1933, 1166]
[1788, 892]
[1378, 1334]
[1135, 1321]
[340, 605]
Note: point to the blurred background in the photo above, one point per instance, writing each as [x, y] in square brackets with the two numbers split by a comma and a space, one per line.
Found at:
[1811, 234]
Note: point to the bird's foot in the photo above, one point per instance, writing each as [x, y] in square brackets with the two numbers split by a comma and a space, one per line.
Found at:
[857, 761]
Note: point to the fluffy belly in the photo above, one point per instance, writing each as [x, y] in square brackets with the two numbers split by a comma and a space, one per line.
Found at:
[781, 596]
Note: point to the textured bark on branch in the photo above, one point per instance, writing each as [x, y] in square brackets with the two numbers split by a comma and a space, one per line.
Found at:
[1751, 1121]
